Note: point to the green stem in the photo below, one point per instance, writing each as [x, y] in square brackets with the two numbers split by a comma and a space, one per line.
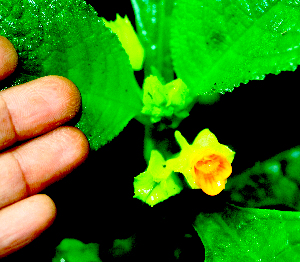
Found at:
[153, 25]
[158, 140]
[148, 143]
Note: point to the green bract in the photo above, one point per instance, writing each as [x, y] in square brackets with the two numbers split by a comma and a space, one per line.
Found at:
[157, 183]
[67, 38]
[123, 29]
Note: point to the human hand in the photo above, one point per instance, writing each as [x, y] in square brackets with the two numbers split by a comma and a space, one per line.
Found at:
[34, 109]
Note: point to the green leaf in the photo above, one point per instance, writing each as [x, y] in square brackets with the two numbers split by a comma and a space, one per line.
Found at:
[249, 234]
[266, 183]
[67, 38]
[73, 250]
[156, 184]
[216, 45]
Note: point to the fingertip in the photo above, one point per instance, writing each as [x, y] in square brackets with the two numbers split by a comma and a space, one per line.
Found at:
[84, 144]
[47, 207]
[43, 213]
[24, 221]
[66, 92]
[8, 58]
[80, 145]
[41, 105]
[73, 91]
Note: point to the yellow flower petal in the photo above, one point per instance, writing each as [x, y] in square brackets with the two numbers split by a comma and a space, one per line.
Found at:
[206, 164]
[181, 140]
[207, 139]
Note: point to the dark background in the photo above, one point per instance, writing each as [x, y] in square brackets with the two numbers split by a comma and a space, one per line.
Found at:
[95, 204]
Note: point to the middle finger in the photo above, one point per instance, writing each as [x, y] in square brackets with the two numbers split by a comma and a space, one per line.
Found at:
[31, 167]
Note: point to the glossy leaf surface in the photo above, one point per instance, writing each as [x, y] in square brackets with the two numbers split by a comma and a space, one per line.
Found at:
[217, 45]
[67, 38]
[249, 234]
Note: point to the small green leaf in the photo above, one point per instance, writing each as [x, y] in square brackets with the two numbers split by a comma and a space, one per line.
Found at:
[157, 183]
[73, 250]
[67, 38]
[216, 45]
[121, 247]
[249, 234]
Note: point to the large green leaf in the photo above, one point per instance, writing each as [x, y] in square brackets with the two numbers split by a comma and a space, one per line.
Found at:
[275, 181]
[67, 38]
[249, 234]
[218, 44]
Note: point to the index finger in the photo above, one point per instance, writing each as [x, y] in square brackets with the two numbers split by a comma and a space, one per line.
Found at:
[36, 107]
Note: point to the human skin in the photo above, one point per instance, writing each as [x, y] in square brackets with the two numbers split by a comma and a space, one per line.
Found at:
[34, 112]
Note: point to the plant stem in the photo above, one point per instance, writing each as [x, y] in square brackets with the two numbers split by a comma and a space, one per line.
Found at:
[153, 26]
[148, 143]
[153, 19]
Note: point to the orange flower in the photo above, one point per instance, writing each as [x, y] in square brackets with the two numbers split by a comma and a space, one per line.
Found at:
[211, 171]
[206, 164]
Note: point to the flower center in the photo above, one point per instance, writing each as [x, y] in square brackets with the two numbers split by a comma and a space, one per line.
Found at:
[208, 164]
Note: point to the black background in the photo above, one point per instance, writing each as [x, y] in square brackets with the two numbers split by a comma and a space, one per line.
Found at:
[94, 203]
